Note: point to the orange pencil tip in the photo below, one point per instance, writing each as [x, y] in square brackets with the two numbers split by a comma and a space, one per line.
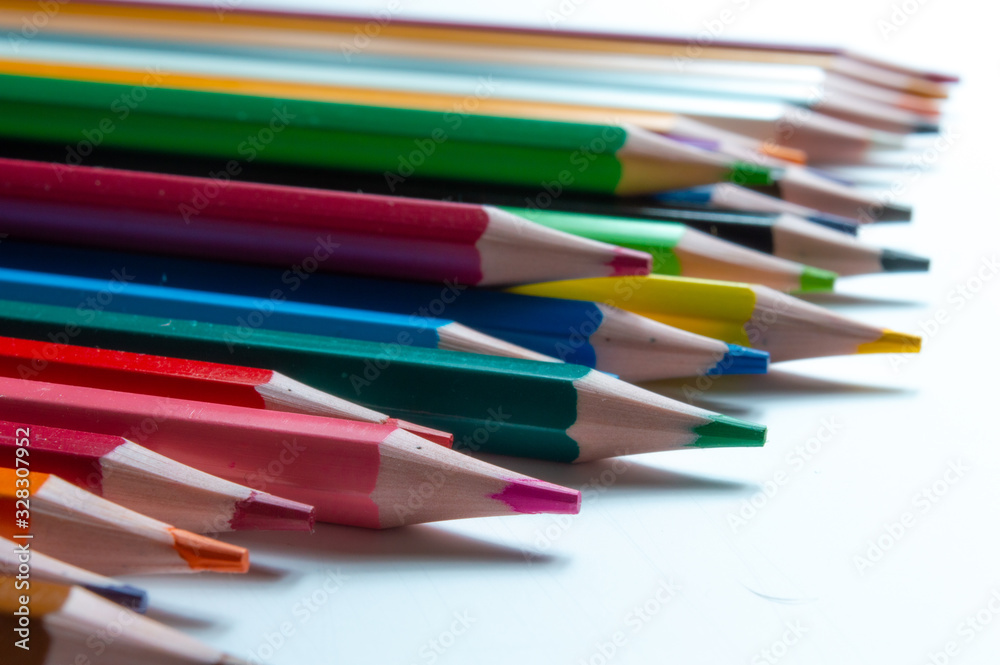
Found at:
[781, 152]
[202, 553]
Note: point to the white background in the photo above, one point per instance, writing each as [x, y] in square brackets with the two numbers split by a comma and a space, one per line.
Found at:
[541, 590]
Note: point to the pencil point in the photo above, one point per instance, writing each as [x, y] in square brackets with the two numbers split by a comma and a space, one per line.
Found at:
[272, 513]
[202, 553]
[630, 262]
[895, 213]
[783, 152]
[816, 279]
[125, 595]
[741, 360]
[895, 261]
[892, 342]
[726, 432]
[746, 173]
[530, 497]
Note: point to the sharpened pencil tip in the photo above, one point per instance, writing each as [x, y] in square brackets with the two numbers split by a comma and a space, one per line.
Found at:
[892, 342]
[125, 595]
[741, 360]
[746, 173]
[727, 432]
[261, 511]
[816, 279]
[203, 553]
[530, 497]
[630, 262]
[895, 261]
[783, 152]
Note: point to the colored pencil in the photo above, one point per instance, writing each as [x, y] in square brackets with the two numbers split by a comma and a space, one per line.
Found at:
[136, 478]
[184, 379]
[318, 229]
[245, 312]
[607, 338]
[773, 232]
[327, 31]
[789, 237]
[359, 474]
[795, 185]
[293, 85]
[753, 124]
[83, 529]
[611, 159]
[507, 406]
[807, 189]
[744, 314]
[676, 85]
[742, 199]
[21, 560]
[679, 250]
[71, 622]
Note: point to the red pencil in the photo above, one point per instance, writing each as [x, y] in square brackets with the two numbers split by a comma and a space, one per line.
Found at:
[149, 483]
[309, 228]
[361, 474]
[184, 379]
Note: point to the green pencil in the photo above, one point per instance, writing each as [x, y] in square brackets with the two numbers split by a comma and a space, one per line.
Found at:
[395, 142]
[526, 408]
[681, 251]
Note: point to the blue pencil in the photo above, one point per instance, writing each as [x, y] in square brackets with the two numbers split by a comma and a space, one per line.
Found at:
[590, 334]
[247, 314]
[726, 196]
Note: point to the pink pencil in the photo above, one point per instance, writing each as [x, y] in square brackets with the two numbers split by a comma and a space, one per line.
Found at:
[148, 483]
[360, 474]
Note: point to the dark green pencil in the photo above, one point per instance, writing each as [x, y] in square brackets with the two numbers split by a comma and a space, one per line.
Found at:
[525, 408]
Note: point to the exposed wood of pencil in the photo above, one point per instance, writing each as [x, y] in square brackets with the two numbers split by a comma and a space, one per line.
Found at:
[23, 559]
[750, 315]
[94, 533]
[135, 477]
[354, 473]
[70, 621]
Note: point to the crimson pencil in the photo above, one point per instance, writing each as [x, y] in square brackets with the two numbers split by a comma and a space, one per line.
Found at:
[146, 482]
[181, 378]
[294, 226]
[360, 474]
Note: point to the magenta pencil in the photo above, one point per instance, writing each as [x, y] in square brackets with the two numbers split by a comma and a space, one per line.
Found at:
[294, 226]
